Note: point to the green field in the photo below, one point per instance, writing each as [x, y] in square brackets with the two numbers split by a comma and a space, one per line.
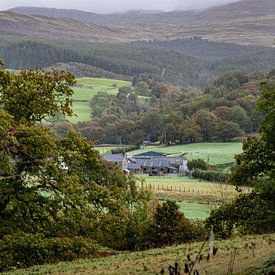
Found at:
[193, 210]
[86, 88]
[212, 152]
[105, 149]
[248, 261]
[194, 185]
[195, 197]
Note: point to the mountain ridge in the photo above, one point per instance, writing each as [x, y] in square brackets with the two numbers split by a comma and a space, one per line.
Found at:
[243, 22]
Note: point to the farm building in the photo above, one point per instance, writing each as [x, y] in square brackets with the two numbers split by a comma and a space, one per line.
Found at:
[118, 159]
[151, 163]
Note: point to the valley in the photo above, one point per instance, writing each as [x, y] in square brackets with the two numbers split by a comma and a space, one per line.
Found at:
[140, 141]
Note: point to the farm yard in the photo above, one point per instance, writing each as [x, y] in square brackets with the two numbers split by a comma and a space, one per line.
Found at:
[253, 255]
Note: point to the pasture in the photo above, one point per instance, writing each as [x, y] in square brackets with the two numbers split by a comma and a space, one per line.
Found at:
[105, 149]
[212, 152]
[253, 255]
[194, 210]
[195, 197]
[86, 88]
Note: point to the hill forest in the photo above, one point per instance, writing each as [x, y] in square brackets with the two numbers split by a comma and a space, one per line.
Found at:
[191, 112]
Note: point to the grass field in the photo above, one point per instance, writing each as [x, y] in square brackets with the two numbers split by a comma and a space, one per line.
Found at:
[212, 152]
[86, 88]
[254, 255]
[193, 210]
[192, 184]
[105, 149]
[195, 197]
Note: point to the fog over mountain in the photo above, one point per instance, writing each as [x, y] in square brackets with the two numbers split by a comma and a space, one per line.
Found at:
[110, 6]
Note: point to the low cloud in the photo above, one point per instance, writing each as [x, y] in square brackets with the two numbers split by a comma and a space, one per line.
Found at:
[108, 6]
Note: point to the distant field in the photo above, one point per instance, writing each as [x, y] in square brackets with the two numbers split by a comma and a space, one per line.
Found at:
[105, 150]
[259, 260]
[212, 152]
[86, 88]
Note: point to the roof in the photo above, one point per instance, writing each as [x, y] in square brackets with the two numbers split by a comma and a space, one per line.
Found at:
[133, 166]
[177, 161]
[117, 158]
[150, 154]
[157, 162]
[154, 162]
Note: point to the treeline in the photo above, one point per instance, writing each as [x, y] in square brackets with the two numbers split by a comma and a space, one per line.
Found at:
[194, 62]
[158, 111]
[202, 48]
[120, 59]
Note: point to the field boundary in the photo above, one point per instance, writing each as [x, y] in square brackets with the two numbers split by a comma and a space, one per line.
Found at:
[193, 191]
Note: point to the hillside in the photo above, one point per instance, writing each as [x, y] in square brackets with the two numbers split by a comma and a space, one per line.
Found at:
[249, 260]
[84, 91]
[193, 62]
[108, 19]
[152, 41]
[61, 28]
[239, 9]
[244, 22]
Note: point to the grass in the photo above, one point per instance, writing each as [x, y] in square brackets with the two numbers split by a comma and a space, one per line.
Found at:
[212, 152]
[152, 261]
[105, 149]
[84, 91]
[82, 110]
[195, 197]
[189, 185]
[193, 210]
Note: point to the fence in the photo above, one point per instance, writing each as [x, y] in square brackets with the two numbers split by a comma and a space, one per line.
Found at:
[220, 190]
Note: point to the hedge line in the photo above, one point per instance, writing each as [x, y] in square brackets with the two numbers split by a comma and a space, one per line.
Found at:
[210, 175]
[124, 149]
[24, 250]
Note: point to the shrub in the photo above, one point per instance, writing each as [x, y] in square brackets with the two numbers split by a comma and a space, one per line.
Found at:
[124, 149]
[170, 227]
[249, 213]
[210, 175]
[197, 164]
[24, 250]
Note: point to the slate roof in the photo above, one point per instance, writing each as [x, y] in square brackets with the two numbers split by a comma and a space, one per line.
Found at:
[133, 166]
[162, 162]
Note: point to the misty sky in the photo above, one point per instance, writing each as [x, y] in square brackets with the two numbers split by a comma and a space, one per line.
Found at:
[107, 6]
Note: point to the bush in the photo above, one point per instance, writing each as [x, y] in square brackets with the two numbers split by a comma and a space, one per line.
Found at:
[124, 149]
[197, 164]
[249, 214]
[24, 250]
[210, 175]
[170, 227]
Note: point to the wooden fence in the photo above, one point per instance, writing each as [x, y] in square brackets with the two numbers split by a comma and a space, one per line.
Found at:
[218, 191]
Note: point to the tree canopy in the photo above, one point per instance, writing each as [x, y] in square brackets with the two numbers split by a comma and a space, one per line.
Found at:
[255, 166]
[59, 187]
